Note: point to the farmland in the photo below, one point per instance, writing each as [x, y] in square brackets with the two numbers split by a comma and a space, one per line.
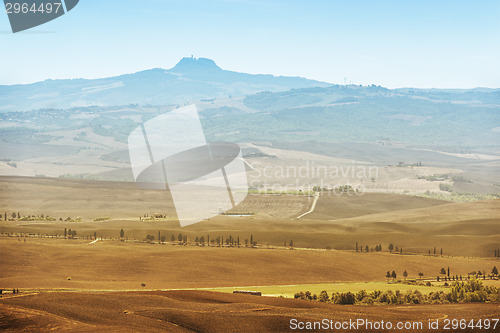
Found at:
[157, 281]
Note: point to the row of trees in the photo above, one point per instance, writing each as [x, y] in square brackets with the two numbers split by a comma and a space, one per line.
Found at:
[446, 272]
[441, 251]
[393, 275]
[377, 248]
[394, 248]
[42, 217]
[201, 240]
[14, 216]
[69, 233]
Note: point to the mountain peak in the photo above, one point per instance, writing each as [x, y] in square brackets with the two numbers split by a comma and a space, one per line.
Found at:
[188, 64]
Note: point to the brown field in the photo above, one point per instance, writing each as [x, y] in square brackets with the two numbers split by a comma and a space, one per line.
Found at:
[203, 311]
[115, 265]
[67, 284]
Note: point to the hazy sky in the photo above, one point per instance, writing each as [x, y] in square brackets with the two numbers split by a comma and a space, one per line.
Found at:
[417, 43]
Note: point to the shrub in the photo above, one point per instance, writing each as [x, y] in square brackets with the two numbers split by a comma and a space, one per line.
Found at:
[323, 296]
[360, 295]
[343, 298]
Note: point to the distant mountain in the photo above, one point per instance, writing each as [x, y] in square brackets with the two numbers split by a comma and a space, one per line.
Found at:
[190, 80]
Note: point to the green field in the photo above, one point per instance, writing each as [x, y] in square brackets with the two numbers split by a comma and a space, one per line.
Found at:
[290, 290]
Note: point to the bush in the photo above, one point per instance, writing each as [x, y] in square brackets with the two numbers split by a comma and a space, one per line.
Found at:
[323, 296]
[445, 187]
[343, 298]
[361, 295]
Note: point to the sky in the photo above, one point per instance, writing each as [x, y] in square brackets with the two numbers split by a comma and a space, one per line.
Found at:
[406, 43]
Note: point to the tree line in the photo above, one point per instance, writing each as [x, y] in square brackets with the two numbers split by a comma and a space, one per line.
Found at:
[219, 241]
[461, 292]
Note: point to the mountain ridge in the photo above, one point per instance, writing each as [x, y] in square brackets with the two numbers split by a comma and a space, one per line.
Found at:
[191, 79]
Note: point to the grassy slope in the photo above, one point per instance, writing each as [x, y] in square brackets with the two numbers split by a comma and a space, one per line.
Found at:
[334, 207]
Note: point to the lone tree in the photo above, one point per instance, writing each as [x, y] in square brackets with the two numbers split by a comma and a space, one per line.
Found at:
[391, 247]
[405, 274]
[291, 243]
[448, 271]
[122, 233]
[494, 271]
[443, 271]
[420, 274]
[143, 285]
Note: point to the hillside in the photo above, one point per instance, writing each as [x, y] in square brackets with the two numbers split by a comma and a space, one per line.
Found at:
[413, 223]
[202, 311]
[115, 265]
